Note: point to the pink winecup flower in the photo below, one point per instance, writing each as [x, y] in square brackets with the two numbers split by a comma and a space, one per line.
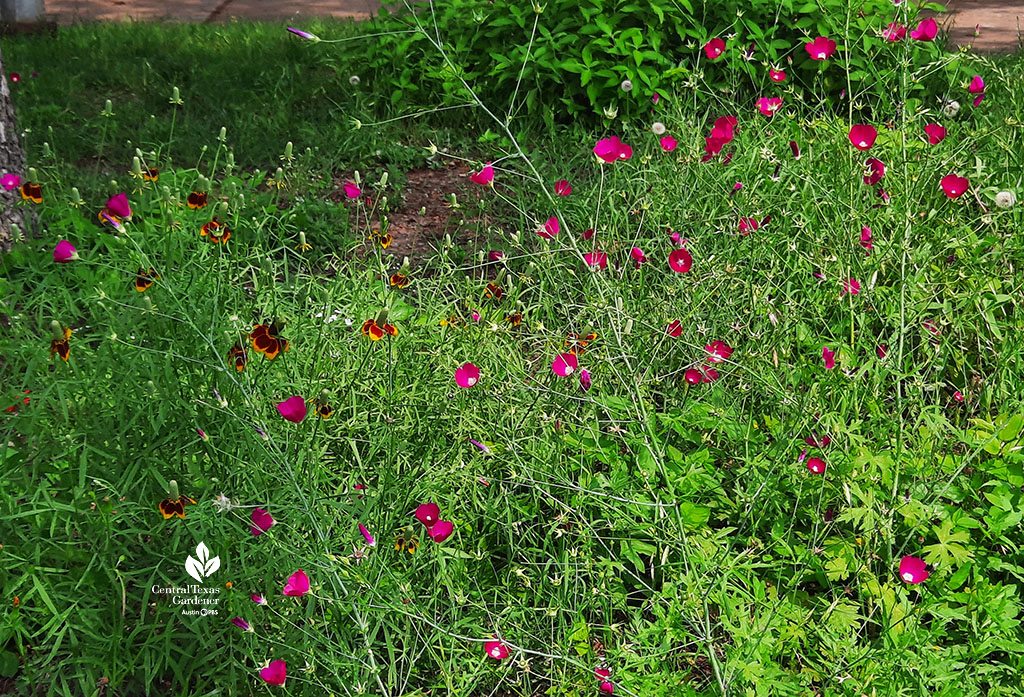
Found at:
[562, 187]
[275, 673]
[674, 329]
[680, 260]
[935, 133]
[496, 649]
[612, 149]
[351, 190]
[954, 186]
[851, 286]
[977, 87]
[495, 255]
[606, 687]
[714, 48]
[829, 356]
[913, 570]
[816, 465]
[258, 599]
[865, 238]
[926, 30]
[297, 585]
[638, 257]
[370, 542]
[718, 351]
[440, 531]
[895, 32]
[10, 182]
[588, 233]
[261, 522]
[958, 396]
[585, 381]
[863, 136]
[241, 624]
[821, 48]
[467, 375]
[565, 364]
[484, 177]
[692, 376]
[293, 409]
[599, 259]
[64, 252]
[769, 105]
[668, 143]
[118, 206]
[550, 229]
[428, 513]
[882, 350]
[874, 171]
[747, 225]
[776, 75]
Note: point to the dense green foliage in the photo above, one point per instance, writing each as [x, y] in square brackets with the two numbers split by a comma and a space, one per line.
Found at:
[567, 59]
[668, 530]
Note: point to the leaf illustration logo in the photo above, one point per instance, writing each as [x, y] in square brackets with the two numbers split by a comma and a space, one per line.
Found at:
[204, 566]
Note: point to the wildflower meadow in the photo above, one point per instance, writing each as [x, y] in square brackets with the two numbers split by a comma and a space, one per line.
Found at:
[496, 349]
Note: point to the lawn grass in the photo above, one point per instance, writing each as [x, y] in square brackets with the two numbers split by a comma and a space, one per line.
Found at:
[663, 527]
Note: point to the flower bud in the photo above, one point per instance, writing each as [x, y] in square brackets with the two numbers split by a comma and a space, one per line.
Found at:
[223, 134]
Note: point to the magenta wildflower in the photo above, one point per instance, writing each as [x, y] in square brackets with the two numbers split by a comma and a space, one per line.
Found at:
[467, 375]
[829, 356]
[585, 381]
[297, 584]
[303, 34]
[261, 522]
[241, 624]
[293, 409]
[926, 30]
[496, 649]
[440, 531]
[10, 182]
[562, 187]
[428, 513]
[874, 171]
[612, 149]
[597, 258]
[820, 48]
[816, 465]
[913, 570]
[351, 190]
[64, 252]
[550, 229]
[714, 49]
[485, 177]
[668, 143]
[565, 364]
[954, 186]
[851, 286]
[275, 674]
[370, 542]
[863, 136]
[680, 260]
[936, 133]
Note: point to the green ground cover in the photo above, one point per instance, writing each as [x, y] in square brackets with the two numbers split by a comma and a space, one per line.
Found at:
[786, 384]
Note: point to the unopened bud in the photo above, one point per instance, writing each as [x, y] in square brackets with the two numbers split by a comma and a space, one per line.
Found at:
[136, 166]
[172, 490]
[288, 151]
[223, 134]
[33, 176]
[151, 387]
[356, 177]
[76, 198]
[46, 150]
[57, 330]
[383, 180]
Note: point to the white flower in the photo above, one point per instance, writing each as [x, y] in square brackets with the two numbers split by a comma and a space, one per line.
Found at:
[626, 86]
[658, 127]
[1005, 199]
[354, 80]
[952, 108]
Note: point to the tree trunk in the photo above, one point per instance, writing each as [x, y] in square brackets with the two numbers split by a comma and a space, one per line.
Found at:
[12, 160]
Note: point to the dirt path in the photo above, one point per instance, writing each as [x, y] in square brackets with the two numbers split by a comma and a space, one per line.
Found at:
[987, 26]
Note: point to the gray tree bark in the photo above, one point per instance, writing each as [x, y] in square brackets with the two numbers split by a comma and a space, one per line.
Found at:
[12, 159]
